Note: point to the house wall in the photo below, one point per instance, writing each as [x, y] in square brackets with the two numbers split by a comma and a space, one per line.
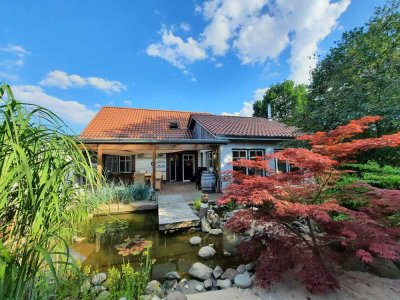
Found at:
[199, 132]
[226, 153]
[143, 163]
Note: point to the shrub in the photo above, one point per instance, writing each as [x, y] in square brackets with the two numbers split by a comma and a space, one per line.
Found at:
[197, 204]
[120, 193]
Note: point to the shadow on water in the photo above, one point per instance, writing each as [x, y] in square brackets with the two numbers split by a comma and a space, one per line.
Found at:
[171, 251]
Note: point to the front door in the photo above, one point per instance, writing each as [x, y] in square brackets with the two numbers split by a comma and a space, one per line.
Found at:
[188, 166]
[172, 168]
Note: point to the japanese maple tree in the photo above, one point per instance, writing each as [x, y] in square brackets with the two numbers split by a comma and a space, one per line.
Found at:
[332, 230]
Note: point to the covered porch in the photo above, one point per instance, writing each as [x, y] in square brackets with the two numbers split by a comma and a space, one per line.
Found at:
[157, 164]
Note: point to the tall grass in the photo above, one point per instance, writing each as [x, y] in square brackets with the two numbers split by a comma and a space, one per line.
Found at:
[120, 193]
[39, 199]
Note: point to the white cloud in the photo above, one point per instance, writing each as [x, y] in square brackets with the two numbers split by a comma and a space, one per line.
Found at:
[63, 80]
[15, 49]
[5, 76]
[258, 31]
[175, 50]
[247, 107]
[219, 65]
[68, 110]
[185, 26]
[127, 102]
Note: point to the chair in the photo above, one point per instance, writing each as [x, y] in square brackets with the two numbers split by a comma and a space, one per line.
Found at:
[139, 177]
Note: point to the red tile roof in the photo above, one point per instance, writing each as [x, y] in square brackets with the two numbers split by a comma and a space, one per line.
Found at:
[244, 126]
[134, 123]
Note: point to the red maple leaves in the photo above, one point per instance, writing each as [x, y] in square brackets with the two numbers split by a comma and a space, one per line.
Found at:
[306, 194]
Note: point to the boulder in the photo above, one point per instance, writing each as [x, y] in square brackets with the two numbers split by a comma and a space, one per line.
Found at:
[205, 226]
[206, 252]
[154, 288]
[250, 266]
[170, 285]
[243, 281]
[353, 263]
[208, 284]
[189, 287]
[217, 272]
[384, 268]
[214, 220]
[200, 271]
[172, 276]
[241, 269]
[195, 240]
[103, 295]
[199, 287]
[215, 231]
[176, 296]
[229, 274]
[97, 289]
[224, 283]
[99, 278]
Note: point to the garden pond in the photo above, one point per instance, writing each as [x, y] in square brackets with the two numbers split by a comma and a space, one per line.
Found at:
[106, 242]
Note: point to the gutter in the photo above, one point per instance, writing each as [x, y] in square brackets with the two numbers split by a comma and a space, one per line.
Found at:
[153, 141]
[247, 138]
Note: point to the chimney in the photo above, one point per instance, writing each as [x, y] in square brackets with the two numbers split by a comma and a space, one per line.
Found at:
[269, 112]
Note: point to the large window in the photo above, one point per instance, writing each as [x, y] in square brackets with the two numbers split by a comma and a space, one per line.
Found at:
[247, 154]
[118, 164]
[281, 166]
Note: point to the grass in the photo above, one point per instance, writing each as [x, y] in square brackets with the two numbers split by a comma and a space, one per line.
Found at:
[120, 193]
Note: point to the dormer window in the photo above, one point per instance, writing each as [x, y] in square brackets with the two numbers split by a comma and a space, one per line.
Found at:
[174, 125]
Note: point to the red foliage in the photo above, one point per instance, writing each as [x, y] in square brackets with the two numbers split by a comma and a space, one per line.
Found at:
[303, 195]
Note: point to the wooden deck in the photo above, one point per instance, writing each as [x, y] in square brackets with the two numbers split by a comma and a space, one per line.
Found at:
[173, 205]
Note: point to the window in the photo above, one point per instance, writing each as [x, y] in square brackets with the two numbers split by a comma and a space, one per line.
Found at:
[247, 154]
[118, 164]
[174, 125]
[125, 164]
[281, 166]
[209, 161]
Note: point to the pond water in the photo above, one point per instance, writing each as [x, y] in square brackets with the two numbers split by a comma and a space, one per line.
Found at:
[171, 251]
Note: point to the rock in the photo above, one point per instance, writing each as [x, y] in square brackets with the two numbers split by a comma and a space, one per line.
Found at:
[208, 284]
[206, 252]
[189, 287]
[200, 271]
[300, 227]
[195, 240]
[97, 289]
[214, 220]
[172, 276]
[229, 274]
[154, 288]
[215, 231]
[224, 284]
[199, 287]
[241, 269]
[85, 287]
[170, 285]
[353, 263]
[211, 245]
[205, 226]
[226, 253]
[99, 278]
[384, 268]
[250, 266]
[217, 272]
[103, 295]
[243, 281]
[176, 296]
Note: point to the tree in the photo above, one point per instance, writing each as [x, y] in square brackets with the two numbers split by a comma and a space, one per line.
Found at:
[306, 193]
[359, 76]
[287, 100]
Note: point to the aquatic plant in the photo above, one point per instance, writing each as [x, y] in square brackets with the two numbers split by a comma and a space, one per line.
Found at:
[133, 246]
[111, 192]
[40, 202]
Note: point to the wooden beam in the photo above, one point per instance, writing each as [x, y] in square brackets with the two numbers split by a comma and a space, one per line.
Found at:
[153, 175]
[158, 147]
[100, 159]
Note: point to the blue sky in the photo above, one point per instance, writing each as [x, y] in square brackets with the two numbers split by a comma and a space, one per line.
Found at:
[214, 56]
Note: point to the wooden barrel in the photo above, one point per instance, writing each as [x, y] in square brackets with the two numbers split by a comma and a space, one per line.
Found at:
[208, 182]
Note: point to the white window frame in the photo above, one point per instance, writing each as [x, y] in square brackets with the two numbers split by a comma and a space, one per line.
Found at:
[276, 163]
[127, 163]
[210, 160]
[247, 156]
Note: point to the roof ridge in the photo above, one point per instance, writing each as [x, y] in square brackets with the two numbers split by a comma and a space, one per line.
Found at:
[153, 109]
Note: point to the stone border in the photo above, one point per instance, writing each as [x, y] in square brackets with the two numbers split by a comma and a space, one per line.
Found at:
[120, 208]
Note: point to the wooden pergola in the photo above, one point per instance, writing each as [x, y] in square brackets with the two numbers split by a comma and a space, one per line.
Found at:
[154, 149]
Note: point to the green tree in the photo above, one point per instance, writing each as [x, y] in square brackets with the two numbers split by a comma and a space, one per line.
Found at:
[287, 100]
[359, 76]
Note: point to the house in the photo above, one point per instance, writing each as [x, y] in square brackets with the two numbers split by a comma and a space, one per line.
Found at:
[175, 143]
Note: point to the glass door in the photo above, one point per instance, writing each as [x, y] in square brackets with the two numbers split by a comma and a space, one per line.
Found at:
[172, 168]
[188, 166]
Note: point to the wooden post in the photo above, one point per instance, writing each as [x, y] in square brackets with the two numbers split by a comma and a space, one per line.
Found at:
[217, 169]
[153, 175]
[100, 159]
